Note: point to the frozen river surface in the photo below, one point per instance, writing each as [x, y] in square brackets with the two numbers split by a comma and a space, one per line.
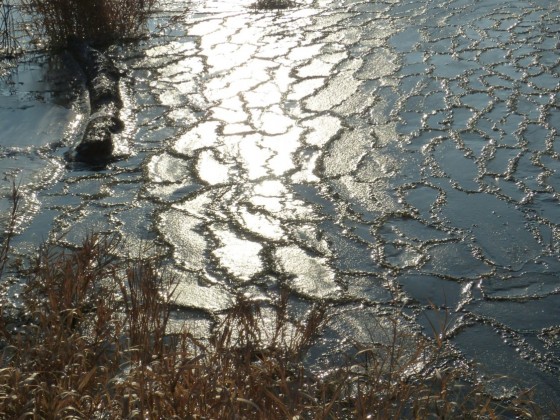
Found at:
[389, 156]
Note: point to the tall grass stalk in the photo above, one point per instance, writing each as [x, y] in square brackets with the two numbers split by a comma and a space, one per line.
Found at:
[10, 222]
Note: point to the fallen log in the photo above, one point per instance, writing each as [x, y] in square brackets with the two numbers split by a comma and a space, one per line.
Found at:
[102, 80]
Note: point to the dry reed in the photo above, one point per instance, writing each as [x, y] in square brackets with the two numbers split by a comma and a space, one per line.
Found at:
[98, 22]
[92, 341]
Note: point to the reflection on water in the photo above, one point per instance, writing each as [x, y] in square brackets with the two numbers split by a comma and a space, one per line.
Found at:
[382, 154]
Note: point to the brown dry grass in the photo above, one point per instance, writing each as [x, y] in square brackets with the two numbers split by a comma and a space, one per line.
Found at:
[92, 341]
[98, 22]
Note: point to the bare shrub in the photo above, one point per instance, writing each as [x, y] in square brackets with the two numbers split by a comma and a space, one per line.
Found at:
[9, 46]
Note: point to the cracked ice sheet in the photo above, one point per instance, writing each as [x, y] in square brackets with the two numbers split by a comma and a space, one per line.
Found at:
[312, 276]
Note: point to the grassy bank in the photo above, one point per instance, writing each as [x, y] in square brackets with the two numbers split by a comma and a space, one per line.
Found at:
[91, 339]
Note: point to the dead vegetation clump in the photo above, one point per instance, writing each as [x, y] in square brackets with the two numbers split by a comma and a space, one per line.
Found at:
[92, 341]
[97, 22]
[273, 4]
